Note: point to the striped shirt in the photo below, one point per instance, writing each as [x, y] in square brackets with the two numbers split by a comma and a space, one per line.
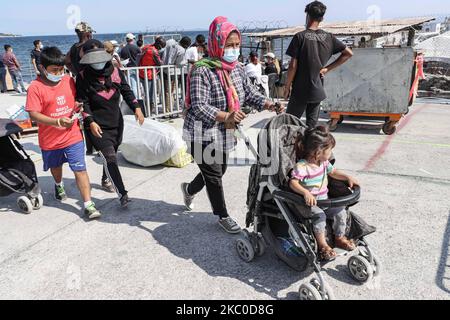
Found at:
[312, 177]
[208, 98]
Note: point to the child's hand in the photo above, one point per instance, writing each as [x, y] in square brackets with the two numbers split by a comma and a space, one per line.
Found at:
[310, 200]
[65, 122]
[139, 116]
[96, 130]
[352, 182]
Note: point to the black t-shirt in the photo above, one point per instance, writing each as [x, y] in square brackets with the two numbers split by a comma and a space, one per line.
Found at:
[313, 49]
[270, 69]
[36, 55]
[130, 51]
[75, 58]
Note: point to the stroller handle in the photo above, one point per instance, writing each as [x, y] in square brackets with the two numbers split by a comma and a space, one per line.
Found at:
[345, 201]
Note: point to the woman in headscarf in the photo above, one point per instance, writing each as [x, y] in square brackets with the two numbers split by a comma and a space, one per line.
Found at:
[217, 88]
[99, 87]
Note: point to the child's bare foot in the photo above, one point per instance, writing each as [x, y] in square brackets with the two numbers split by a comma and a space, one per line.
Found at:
[327, 254]
[344, 244]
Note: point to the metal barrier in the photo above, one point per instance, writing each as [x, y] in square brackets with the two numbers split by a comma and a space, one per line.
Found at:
[168, 89]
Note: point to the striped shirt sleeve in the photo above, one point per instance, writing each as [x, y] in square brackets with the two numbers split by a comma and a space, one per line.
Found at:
[300, 172]
[330, 167]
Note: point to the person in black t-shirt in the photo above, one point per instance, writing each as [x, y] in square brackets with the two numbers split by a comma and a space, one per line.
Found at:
[84, 33]
[310, 51]
[36, 56]
[271, 67]
[131, 53]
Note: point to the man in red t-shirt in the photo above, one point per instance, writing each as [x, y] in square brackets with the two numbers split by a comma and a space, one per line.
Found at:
[150, 58]
[51, 103]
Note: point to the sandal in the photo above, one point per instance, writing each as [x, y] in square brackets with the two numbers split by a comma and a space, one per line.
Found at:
[327, 254]
[345, 244]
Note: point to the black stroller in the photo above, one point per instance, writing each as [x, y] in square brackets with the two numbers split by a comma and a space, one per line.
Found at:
[17, 170]
[276, 213]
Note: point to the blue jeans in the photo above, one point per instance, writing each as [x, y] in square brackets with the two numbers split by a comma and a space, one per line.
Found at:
[17, 80]
[134, 83]
[3, 87]
[150, 90]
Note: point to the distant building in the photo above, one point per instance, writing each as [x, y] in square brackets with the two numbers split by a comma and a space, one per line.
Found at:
[446, 24]
[433, 27]
[398, 39]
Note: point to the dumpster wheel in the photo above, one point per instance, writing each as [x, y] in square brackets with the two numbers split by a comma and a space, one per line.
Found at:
[333, 124]
[390, 127]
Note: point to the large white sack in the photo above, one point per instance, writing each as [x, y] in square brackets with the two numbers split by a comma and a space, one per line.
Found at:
[152, 144]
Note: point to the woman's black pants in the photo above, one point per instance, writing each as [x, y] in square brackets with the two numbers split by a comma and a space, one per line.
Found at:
[213, 165]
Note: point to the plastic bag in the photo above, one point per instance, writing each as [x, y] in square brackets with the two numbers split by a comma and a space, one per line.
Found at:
[180, 160]
[151, 144]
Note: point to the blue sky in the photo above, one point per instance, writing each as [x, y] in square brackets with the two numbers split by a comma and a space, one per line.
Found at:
[46, 17]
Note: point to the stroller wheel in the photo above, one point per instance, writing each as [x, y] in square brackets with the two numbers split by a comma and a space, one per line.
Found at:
[360, 269]
[245, 249]
[24, 204]
[38, 202]
[308, 292]
[329, 294]
[377, 266]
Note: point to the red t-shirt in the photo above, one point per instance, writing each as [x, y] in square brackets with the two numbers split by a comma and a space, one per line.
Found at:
[54, 102]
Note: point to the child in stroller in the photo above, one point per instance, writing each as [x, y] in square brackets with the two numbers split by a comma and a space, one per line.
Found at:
[17, 170]
[309, 178]
[277, 213]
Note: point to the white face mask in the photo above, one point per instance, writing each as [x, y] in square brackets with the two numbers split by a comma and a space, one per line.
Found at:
[54, 78]
[41, 46]
[231, 55]
[98, 66]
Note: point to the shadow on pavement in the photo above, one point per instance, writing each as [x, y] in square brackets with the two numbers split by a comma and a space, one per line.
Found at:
[443, 274]
[196, 236]
[192, 236]
[8, 204]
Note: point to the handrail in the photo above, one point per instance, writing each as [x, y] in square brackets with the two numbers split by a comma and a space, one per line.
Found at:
[168, 88]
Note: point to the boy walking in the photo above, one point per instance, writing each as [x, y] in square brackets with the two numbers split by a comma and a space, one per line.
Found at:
[51, 103]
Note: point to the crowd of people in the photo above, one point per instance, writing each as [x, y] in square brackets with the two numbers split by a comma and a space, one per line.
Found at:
[218, 85]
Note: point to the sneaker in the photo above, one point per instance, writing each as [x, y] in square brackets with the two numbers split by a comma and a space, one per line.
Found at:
[108, 186]
[124, 201]
[60, 193]
[188, 199]
[92, 212]
[229, 225]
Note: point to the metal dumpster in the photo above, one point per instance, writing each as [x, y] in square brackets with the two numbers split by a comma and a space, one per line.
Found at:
[376, 82]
